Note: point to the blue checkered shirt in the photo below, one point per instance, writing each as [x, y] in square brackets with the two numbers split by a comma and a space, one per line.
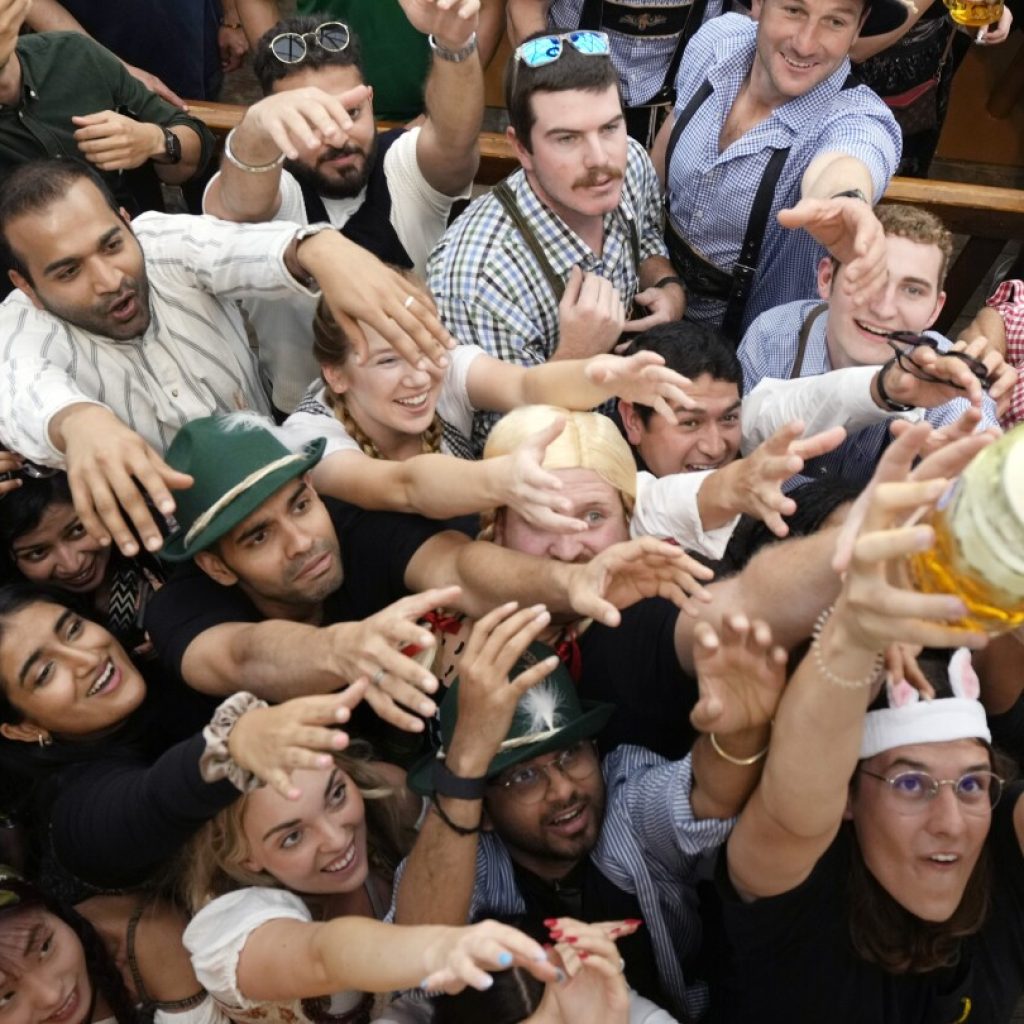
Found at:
[491, 292]
[710, 194]
[641, 61]
[650, 845]
[769, 349]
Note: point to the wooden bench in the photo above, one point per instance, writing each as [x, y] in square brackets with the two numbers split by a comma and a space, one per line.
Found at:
[987, 216]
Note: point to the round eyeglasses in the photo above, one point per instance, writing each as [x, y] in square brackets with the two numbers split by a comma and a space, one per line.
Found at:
[977, 792]
[291, 48]
[530, 783]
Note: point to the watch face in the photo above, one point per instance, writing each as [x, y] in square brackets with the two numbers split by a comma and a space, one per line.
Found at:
[173, 146]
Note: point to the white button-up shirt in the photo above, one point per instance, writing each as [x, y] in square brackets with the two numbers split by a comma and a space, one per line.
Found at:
[194, 360]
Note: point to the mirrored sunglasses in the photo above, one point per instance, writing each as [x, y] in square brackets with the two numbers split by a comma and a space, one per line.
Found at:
[291, 47]
[535, 53]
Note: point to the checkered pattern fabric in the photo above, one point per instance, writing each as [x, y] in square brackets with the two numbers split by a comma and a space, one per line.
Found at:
[1008, 301]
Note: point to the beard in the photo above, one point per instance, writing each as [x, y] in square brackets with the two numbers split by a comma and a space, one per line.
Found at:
[346, 184]
[97, 319]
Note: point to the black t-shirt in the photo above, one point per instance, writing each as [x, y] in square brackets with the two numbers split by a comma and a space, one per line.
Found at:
[376, 548]
[635, 667]
[789, 958]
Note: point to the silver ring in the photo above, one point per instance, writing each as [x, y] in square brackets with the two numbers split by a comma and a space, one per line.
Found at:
[377, 677]
[409, 300]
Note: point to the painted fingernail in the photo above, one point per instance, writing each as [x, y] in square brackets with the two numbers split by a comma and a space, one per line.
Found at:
[556, 933]
[634, 921]
[583, 954]
[505, 959]
[487, 983]
[550, 922]
[572, 938]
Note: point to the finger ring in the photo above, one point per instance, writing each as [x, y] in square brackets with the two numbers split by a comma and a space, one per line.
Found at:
[377, 677]
[409, 300]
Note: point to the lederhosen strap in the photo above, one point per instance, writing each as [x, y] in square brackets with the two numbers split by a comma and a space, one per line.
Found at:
[626, 20]
[805, 333]
[507, 199]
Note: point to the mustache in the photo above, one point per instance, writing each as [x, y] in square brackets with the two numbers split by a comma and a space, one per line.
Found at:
[349, 149]
[597, 175]
[127, 291]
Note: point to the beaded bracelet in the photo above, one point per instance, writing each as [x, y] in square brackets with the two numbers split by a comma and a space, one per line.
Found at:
[741, 762]
[823, 669]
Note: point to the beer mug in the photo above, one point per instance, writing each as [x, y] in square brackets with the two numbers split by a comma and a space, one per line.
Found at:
[974, 13]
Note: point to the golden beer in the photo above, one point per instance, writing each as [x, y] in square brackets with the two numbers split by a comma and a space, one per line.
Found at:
[972, 14]
[979, 539]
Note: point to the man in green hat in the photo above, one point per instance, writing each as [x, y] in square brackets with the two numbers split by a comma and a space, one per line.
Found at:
[288, 593]
[526, 821]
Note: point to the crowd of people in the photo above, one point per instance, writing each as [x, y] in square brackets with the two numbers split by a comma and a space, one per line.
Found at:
[417, 607]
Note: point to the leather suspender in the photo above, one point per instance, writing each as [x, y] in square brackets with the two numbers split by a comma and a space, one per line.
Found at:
[805, 333]
[507, 199]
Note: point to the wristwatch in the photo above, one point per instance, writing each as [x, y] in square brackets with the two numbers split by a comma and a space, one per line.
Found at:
[454, 56]
[851, 193]
[172, 147]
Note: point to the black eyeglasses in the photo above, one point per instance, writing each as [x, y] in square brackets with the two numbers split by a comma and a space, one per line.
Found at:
[976, 792]
[290, 47]
[903, 343]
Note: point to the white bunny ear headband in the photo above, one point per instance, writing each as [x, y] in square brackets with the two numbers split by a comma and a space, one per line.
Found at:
[908, 719]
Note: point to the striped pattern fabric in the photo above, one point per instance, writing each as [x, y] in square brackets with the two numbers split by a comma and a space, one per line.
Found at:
[650, 845]
[194, 360]
[769, 348]
[710, 194]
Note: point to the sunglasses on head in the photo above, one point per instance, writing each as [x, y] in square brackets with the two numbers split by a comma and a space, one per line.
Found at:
[291, 47]
[904, 344]
[29, 469]
[535, 53]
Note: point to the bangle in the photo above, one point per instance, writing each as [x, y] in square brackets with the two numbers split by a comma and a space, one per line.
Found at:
[216, 762]
[458, 787]
[670, 280]
[459, 830]
[819, 661]
[249, 168]
[742, 762]
[851, 193]
[454, 56]
[889, 403]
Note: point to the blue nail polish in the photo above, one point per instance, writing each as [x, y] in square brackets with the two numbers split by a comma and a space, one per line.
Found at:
[505, 959]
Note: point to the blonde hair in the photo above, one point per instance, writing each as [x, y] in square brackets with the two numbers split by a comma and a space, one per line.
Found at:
[332, 347]
[917, 225]
[212, 862]
[589, 441]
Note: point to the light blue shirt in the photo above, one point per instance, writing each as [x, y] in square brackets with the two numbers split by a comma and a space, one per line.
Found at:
[710, 194]
[769, 349]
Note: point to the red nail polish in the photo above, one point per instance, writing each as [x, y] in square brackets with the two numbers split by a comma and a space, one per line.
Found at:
[556, 933]
[550, 922]
[572, 938]
[634, 922]
[583, 954]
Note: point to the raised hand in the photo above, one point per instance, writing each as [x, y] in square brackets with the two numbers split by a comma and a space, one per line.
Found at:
[641, 378]
[272, 742]
[740, 675]
[462, 957]
[450, 22]
[851, 232]
[377, 649]
[629, 571]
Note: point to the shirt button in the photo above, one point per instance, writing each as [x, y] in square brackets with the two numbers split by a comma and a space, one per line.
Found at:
[174, 392]
[698, 215]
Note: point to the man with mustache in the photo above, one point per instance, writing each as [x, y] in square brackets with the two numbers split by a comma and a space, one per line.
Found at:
[118, 334]
[310, 152]
[546, 265]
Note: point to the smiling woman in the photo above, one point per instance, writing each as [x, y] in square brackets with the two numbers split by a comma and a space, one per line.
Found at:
[125, 770]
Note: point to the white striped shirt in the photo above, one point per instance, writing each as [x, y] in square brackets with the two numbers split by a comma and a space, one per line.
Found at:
[194, 359]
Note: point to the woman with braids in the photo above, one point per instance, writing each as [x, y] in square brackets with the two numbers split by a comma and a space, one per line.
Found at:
[392, 428]
[877, 872]
[42, 540]
[288, 898]
[128, 768]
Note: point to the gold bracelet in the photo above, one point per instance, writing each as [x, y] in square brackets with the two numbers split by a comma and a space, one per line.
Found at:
[741, 762]
[830, 676]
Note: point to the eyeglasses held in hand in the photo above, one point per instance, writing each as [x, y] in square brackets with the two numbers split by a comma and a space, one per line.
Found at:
[29, 469]
[291, 48]
[535, 53]
[903, 343]
[531, 783]
[977, 792]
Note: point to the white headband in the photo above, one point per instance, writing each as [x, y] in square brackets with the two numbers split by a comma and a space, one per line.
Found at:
[909, 720]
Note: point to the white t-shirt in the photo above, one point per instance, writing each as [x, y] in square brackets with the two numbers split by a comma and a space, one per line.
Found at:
[419, 215]
[315, 418]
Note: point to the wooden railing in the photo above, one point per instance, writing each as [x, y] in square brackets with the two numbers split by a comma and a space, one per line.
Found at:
[987, 216]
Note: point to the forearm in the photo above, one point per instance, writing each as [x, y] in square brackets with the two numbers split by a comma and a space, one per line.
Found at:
[50, 16]
[491, 29]
[654, 269]
[241, 196]
[257, 16]
[721, 788]
[564, 383]
[832, 173]
[526, 17]
[868, 46]
[987, 324]
[191, 155]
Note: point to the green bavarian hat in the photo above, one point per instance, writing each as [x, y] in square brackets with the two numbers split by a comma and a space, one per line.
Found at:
[236, 464]
[549, 716]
